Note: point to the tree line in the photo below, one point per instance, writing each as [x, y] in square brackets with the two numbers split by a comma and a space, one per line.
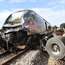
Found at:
[61, 26]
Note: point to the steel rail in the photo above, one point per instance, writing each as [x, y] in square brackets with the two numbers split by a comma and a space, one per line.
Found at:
[4, 54]
[15, 57]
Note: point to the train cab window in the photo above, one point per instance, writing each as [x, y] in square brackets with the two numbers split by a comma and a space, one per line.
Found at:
[39, 21]
[48, 26]
[31, 19]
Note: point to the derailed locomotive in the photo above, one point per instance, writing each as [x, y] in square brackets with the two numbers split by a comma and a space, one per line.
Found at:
[27, 28]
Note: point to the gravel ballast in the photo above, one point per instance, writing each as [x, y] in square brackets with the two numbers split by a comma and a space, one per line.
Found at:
[36, 57]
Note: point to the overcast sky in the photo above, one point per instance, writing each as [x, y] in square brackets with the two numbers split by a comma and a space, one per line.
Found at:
[51, 10]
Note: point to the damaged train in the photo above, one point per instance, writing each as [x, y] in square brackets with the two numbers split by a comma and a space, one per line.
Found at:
[26, 27]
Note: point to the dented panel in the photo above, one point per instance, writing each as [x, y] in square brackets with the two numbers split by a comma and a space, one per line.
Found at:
[24, 27]
[26, 19]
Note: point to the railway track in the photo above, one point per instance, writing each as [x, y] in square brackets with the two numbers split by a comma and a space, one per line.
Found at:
[4, 54]
[1, 50]
[7, 58]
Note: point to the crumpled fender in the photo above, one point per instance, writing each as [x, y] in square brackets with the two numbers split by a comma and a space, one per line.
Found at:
[9, 31]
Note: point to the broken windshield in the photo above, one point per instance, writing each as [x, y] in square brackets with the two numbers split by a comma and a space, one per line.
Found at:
[15, 19]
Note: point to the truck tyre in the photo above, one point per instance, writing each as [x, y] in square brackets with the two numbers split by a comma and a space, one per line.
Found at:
[56, 47]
